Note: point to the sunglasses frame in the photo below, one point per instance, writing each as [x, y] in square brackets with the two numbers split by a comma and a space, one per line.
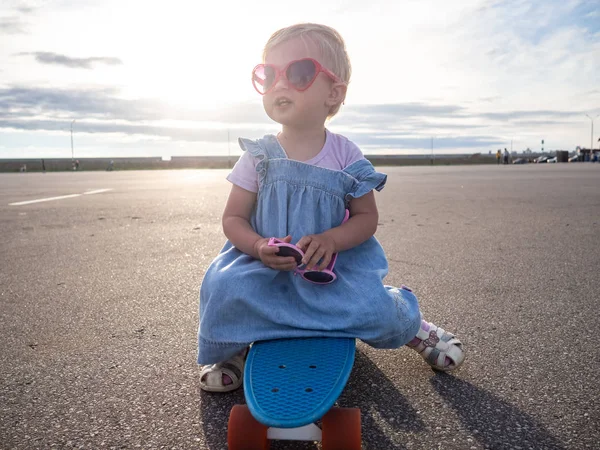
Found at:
[298, 254]
[283, 72]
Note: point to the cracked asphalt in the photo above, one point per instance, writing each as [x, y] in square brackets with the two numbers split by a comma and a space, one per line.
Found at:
[99, 293]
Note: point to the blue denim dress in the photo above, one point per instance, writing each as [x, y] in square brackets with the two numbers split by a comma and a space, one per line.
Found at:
[243, 301]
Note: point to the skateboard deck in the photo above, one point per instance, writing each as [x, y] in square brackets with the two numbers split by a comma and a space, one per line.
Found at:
[289, 383]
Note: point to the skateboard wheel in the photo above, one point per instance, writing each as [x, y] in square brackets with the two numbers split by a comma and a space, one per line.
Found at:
[244, 432]
[341, 429]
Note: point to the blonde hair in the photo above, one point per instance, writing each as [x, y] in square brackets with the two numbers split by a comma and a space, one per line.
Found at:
[330, 43]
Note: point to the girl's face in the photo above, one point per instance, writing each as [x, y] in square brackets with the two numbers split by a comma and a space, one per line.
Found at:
[288, 106]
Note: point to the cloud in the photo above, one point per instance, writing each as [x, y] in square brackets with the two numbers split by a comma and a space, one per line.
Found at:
[108, 127]
[491, 99]
[25, 6]
[102, 111]
[73, 63]
[524, 51]
[396, 114]
[368, 141]
[534, 21]
[379, 141]
[409, 109]
[105, 104]
[388, 126]
[98, 103]
[12, 25]
[470, 75]
[517, 115]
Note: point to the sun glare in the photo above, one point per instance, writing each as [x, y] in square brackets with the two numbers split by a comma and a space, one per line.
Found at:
[187, 59]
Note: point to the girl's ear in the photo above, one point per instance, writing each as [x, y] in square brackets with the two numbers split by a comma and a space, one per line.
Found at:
[337, 94]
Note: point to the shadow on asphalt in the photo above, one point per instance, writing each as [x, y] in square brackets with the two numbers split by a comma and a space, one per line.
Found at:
[384, 410]
[493, 422]
[214, 413]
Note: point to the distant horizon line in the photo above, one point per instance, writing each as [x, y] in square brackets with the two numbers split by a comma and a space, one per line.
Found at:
[227, 157]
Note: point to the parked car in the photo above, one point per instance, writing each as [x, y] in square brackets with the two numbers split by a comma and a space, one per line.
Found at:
[552, 160]
[541, 159]
[574, 158]
[519, 161]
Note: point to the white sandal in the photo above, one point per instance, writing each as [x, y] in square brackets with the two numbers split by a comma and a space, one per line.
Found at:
[436, 345]
[211, 376]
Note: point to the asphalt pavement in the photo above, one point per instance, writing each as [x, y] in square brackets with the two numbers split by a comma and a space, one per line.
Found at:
[99, 309]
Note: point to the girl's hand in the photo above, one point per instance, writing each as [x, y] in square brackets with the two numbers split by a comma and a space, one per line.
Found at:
[316, 247]
[268, 255]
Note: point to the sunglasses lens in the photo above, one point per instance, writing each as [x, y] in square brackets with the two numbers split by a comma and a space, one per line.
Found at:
[289, 251]
[318, 277]
[301, 73]
[263, 78]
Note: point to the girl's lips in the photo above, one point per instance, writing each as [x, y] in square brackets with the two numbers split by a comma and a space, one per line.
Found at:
[282, 101]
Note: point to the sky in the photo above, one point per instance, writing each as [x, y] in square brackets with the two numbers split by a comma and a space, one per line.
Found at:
[143, 78]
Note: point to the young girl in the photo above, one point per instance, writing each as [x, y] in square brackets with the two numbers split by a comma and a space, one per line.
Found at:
[296, 187]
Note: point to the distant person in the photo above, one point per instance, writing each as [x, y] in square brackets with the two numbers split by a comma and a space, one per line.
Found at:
[506, 156]
[498, 156]
[77, 164]
[43, 166]
[297, 186]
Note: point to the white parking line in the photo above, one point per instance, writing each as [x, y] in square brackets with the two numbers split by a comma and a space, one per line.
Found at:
[98, 191]
[28, 202]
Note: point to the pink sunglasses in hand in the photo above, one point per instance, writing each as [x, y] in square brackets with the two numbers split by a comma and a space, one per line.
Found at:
[324, 276]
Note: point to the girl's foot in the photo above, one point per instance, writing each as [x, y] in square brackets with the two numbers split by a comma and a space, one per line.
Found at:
[440, 349]
[225, 376]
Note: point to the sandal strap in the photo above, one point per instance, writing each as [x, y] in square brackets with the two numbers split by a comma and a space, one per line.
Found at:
[212, 376]
[233, 368]
[436, 345]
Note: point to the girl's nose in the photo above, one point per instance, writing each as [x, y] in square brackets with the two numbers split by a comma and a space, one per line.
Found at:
[282, 83]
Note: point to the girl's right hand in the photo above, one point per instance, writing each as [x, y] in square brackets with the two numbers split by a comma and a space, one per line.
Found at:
[268, 255]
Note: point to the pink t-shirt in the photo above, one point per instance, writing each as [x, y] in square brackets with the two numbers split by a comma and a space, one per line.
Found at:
[337, 153]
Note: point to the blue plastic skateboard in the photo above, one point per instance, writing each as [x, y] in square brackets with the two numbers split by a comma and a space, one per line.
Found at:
[289, 385]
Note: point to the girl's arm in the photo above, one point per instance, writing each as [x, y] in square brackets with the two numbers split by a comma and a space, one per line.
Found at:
[236, 220]
[361, 225]
[237, 228]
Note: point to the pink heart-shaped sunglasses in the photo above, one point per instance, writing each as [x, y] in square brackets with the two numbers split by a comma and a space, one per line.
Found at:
[324, 276]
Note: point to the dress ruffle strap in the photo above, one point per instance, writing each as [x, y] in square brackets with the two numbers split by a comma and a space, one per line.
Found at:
[263, 150]
[365, 179]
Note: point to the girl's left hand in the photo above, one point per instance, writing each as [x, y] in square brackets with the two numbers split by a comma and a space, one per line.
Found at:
[316, 247]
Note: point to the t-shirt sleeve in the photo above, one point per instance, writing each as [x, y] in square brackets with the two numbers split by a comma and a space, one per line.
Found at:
[244, 173]
[352, 153]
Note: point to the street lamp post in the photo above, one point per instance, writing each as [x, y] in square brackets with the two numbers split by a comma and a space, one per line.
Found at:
[592, 135]
[72, 153]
